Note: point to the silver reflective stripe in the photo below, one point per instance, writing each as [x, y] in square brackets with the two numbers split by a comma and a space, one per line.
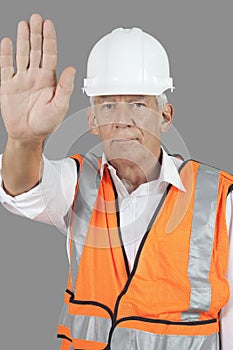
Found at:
[133, 339]
[90, 328]
[64, 319]
[202, 238]
[87, 193]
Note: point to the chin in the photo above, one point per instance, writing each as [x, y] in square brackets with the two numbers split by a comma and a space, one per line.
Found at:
[126, 157]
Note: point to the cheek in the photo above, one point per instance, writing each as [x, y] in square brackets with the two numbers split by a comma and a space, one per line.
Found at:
[151, 132]
[105, 133]
[150, 124]
[151, 142]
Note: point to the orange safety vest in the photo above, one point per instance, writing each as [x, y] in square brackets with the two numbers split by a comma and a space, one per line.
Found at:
[173, 296]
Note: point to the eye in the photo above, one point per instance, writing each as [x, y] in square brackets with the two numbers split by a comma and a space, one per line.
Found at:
[108, 106]
[139, 105]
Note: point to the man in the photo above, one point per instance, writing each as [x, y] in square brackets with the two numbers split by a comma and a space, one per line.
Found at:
[147, 233]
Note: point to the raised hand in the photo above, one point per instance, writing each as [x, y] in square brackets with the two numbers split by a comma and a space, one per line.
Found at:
[33, 104]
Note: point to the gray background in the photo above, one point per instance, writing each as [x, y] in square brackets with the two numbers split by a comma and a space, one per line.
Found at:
[198, 38]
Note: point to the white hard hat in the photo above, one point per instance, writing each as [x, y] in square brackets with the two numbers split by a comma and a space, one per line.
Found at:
[127, 62]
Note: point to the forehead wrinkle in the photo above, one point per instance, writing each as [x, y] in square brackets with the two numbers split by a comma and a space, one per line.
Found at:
[137, 98]
[127, 98]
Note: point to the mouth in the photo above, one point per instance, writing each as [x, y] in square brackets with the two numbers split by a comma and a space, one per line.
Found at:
[121, 140]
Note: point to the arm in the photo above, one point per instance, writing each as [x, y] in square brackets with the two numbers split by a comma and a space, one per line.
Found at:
[33, 104]
[50, 201]
[22, 165]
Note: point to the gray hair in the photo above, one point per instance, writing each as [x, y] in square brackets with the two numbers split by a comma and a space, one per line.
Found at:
[161, 101]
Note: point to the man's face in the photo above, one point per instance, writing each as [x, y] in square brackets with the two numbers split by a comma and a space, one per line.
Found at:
[129, 127]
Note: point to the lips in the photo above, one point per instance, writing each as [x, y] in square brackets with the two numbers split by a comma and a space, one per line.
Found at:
[123, 139]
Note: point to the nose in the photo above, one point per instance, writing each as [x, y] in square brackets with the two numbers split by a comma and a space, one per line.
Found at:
[123, 116]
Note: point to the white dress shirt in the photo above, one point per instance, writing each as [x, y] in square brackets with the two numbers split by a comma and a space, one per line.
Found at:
[51, 202]
[137, 208]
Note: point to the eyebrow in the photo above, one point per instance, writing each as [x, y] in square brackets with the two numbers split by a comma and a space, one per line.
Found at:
[137, 98]
[112, 98]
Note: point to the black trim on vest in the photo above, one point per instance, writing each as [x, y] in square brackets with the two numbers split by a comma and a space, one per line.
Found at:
[176, 155]
[157, 210]
[122, 244]
[220, 331]
[62, 336]
[89, 302]
[69, 292]
[119, 229]
[175, 323]
[158, 321]
[77, 165]
[139, 251]
[136, 263]
[184, 163]
[230, 189]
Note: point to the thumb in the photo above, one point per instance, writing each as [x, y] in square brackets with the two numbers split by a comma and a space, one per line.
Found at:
[64, 90]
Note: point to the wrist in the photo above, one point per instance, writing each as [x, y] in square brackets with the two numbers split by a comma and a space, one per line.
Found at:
[32, 142]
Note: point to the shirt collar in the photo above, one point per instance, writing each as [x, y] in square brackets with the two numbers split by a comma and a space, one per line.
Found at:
[168, 172]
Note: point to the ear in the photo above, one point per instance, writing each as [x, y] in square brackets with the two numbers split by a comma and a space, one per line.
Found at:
[167, 115]
[92, 121]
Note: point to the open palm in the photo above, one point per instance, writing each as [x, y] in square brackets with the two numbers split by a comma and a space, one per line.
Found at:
[33, 104]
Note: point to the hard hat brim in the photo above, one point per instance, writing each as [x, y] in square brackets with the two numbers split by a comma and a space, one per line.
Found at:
[99, 90]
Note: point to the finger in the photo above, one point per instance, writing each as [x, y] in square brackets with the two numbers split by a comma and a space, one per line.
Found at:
[22, 46]
[49, 57]
[36, 24]
[64, 90]
[7, 67]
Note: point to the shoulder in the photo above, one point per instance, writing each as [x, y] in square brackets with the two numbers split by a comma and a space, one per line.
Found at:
[223, 177]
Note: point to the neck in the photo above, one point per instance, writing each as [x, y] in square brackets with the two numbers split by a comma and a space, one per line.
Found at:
[133, 175]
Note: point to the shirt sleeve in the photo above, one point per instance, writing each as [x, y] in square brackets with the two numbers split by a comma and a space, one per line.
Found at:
[227, 311]
[51, 200]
